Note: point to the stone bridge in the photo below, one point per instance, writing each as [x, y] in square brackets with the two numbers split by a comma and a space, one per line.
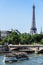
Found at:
[30, 47]
[35, 48]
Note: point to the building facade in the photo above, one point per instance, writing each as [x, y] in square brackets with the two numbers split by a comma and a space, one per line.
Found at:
[4, 34]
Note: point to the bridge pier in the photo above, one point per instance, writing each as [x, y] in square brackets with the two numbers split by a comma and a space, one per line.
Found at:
[37, 49]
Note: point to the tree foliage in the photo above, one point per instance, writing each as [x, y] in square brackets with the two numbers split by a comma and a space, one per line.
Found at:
[23, 38]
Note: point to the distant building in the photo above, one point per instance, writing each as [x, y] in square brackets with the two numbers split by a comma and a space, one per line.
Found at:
[4, 34]
[17, 31]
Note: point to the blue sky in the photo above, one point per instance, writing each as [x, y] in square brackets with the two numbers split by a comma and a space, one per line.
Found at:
[17, 14]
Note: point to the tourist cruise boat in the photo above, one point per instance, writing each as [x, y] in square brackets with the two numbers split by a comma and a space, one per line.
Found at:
[15, 58]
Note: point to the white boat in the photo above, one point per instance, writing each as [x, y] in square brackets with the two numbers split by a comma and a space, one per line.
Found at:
[16, 58]
[11, 59]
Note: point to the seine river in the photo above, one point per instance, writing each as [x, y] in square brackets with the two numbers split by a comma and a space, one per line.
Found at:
[33, 60]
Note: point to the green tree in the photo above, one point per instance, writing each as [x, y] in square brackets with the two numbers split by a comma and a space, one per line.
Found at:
[37, 37]
[13, 38]
[41, 41]
[25, 38]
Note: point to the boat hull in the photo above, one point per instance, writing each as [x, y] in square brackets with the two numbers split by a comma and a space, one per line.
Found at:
[15, 60]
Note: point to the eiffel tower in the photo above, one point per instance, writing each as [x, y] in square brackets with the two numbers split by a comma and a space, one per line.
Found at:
[33, 29]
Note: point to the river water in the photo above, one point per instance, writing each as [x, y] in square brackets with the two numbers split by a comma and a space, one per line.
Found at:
[34, 59]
